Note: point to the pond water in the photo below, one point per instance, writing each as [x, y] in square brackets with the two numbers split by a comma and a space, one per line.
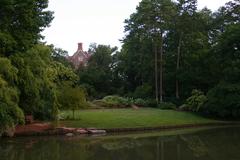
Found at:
[190, 144]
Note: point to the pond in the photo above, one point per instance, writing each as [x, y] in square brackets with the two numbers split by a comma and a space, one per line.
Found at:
[219, 143]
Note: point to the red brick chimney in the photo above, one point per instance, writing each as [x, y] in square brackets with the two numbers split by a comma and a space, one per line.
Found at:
[80, 46]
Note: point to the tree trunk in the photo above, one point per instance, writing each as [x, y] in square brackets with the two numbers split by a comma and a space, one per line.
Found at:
[178, 65]
[161, 69]
[156, 73]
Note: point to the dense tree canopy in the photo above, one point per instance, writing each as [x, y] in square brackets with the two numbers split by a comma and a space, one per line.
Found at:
[97, 78]
[188, 39]
[21, 23]
[31, 73]
[171, 49]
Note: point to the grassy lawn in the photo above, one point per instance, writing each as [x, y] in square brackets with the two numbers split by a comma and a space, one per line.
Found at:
[130, 118]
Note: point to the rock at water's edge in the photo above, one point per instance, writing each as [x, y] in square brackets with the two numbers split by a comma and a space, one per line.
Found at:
[81, 131]
[69, 134]
[97, 131]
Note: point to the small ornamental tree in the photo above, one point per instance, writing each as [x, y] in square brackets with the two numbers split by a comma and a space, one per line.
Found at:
[72, 99]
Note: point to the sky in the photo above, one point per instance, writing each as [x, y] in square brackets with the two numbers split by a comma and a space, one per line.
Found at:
[95, 21]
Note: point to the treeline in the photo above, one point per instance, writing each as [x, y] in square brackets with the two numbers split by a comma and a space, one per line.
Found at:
[172, 51]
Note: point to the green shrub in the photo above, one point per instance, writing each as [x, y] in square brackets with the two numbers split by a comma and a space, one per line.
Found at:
[145, 103]
[113, 100]
[140, 102]
[196, 101]
[224, 101]
[151, 103]
[90, 105]
[89, 90]
[143, 91]
[127, 101]
[101, 104]
[167, 105]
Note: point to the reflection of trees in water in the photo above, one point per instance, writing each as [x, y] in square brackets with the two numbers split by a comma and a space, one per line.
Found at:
[154, 148]
[51, 149]
[125, 149]
[150, 148]
[5, 151]
[213, 144]
[217, 144]
[168, 148]
[121, 144]
[196, 145]
[28, 149]
[222, 143]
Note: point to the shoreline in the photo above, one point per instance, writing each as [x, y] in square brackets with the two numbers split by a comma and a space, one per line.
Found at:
[70, 132]
[169, 127]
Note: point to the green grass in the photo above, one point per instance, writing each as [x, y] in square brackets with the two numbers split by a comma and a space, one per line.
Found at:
[130, 118]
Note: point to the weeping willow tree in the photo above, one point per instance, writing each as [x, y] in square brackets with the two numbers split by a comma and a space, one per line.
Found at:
[10, 113]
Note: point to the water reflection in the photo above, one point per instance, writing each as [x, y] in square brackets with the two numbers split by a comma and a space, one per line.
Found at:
[207, 144]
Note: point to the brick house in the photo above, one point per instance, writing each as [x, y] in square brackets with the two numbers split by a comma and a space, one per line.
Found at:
[80, 57]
